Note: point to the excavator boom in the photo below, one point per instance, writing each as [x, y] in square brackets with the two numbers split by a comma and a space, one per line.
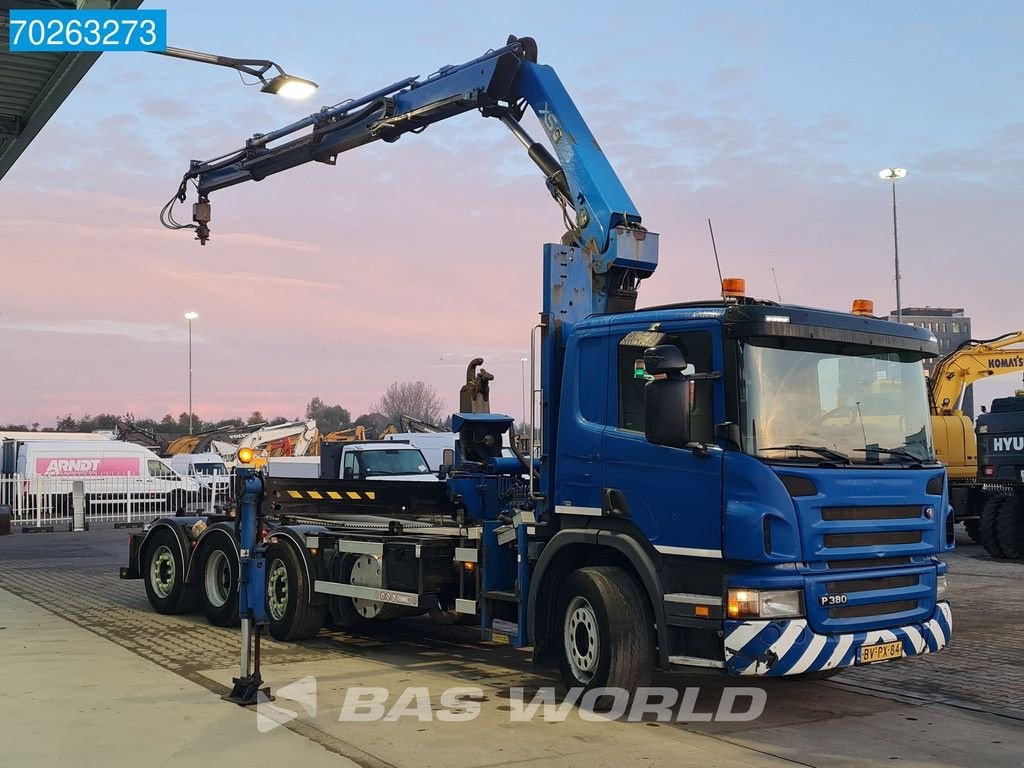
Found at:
[971, 361]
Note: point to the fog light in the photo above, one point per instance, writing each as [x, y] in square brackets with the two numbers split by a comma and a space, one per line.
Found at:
[764, 603]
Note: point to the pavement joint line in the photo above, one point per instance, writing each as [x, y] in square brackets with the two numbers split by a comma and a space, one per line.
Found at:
[938, 700]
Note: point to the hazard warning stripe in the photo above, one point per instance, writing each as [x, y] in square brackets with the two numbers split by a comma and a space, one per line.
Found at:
[334, 495]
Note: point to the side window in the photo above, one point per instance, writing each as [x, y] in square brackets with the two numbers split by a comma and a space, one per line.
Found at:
[696, 349]
[159, 469]
[350, 464]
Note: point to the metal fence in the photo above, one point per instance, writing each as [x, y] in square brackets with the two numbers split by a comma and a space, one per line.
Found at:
[41, 502]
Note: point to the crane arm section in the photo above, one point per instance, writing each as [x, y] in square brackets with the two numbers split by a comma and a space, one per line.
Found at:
[601, 218]
[971, 361]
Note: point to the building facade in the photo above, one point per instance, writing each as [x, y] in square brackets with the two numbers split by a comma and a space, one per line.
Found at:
[951, 328]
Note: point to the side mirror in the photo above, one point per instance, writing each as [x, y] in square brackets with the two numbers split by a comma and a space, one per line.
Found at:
[667, 398]
[448, 456]
[349, 473]
[664, 359]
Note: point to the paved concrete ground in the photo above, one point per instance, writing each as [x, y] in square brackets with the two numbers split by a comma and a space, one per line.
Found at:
[962, 707]
[73, 698]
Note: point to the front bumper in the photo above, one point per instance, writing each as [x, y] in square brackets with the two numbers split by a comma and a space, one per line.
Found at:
[790, 647]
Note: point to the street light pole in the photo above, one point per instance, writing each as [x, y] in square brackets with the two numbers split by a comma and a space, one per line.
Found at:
[190, 316]
[893, 175]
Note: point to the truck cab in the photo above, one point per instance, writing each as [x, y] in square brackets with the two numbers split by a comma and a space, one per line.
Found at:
[385, 460]
[783, 490]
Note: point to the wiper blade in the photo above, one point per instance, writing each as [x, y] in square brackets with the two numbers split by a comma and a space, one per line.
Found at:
[821, 450]
[899, 451]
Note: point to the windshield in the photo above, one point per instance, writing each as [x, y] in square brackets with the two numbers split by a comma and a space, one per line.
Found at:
[818, 401]
[210, 469]
[393, 462]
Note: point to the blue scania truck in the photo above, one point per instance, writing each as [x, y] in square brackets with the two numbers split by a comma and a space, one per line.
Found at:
[730, 484]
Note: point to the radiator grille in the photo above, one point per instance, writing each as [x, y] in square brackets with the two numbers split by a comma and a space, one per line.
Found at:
[870, 513]
[871, 538]
[871, 609]
[867, 585]
[866, 562]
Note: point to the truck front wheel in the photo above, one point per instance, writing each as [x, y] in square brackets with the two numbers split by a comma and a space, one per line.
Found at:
[217, 577]
[988, 525]
[290, 614]
[607, 638]
[1010, 527]
[164, 570]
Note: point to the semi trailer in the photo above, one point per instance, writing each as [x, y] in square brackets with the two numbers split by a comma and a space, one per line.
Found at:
[731, 484]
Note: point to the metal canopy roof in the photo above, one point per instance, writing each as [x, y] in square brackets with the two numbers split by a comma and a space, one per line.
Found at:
[34, 85]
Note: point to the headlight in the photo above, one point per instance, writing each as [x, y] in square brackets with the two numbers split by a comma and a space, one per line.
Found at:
[764, 603]
[940, 588]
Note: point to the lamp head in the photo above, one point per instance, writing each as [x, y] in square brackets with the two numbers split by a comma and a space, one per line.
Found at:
[289, 86]
[892, 174]
[191, 315]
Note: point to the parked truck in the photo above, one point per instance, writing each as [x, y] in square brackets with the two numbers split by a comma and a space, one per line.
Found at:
[728, 484]
[1000, 434]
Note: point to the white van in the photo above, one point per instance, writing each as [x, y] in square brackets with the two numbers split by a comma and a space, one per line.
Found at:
[111, 471]
[208, 469]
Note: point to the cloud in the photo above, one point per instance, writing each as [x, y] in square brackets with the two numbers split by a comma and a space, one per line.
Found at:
[137, 331]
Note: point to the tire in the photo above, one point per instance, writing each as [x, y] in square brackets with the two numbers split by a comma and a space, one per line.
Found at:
[972, 528]
[163, 570]
[988, 523]
[1010, 528]
[607, 638]
[290, 615]
[216, 580]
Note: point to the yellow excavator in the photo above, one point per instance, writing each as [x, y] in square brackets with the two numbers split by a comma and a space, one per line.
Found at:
[348, 435]
[955, 442]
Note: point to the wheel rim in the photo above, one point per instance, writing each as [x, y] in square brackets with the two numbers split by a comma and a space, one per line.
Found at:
[162, 572]
[277, 589]
[218, 578]
[582, 645]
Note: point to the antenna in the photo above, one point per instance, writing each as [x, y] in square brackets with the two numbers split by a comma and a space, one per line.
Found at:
[777, 291]
[715, 249]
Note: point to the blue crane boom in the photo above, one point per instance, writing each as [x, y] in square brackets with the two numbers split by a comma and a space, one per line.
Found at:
[601, 218]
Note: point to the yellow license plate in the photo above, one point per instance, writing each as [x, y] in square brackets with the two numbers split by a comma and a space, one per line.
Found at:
[881, 652]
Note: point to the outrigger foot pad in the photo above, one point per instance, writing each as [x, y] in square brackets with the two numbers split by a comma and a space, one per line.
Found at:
[247, 691]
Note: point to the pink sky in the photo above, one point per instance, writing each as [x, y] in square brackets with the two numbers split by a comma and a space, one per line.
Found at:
[406, 260]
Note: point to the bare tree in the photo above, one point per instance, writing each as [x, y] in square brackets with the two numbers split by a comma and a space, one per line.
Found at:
[411, 398]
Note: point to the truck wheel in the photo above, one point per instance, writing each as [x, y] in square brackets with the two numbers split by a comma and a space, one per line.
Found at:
[164, 572]
[217, 579]
[1010, 528]
[607, 638]
[289, 612]
[971, 526]
[987, 526]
